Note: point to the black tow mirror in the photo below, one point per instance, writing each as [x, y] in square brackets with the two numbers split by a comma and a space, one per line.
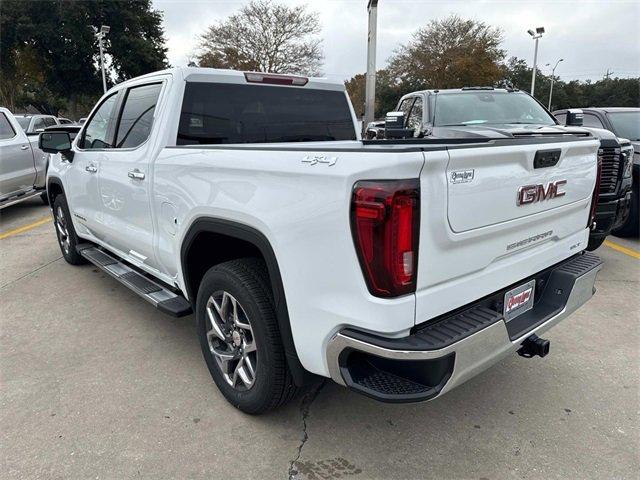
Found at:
[56, 142]
[394, 126]
[575, 118]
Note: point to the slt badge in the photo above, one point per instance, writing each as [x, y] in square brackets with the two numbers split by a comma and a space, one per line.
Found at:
[315, 159]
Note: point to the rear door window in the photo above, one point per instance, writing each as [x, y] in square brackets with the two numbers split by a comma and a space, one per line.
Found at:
[137, 115]
[6, 130]
[49, 121]
[229, 113]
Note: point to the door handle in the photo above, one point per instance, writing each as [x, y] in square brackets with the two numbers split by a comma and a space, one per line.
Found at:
[136, 174]
[24, 147]
[91, 168]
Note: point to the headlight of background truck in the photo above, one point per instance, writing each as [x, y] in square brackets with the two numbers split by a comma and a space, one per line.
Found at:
[627, 159]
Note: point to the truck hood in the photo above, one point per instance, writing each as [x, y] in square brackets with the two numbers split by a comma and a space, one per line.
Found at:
[502, 131]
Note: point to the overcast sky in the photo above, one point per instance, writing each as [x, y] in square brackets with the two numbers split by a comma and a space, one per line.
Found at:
[591, 35]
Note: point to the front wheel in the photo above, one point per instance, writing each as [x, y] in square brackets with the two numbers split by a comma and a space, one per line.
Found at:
[631, 228]
[239, 336]
[67, 238]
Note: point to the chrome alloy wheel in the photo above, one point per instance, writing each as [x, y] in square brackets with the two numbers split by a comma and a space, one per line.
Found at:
[231, 340]
[63, 232]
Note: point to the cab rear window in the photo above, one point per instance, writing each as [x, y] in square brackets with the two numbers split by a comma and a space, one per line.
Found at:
[215, 113]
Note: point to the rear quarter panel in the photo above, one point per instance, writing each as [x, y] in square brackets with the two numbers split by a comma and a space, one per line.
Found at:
[303, 210]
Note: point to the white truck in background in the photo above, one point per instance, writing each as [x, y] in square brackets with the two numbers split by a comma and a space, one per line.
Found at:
[399, 269]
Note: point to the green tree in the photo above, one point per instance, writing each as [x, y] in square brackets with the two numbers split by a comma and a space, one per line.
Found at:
[387, 93]
[615, 92]
[264, 37]
[57, 37]
[517, 73]
[449, 53]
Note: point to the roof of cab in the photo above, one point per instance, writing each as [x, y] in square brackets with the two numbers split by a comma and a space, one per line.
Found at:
[217, 75]
[463, 90]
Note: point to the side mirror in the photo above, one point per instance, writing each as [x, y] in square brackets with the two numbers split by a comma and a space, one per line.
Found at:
[394, 126]
[575, 117]
[56, 142]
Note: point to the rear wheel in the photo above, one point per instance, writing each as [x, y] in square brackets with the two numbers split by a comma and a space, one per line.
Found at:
[44, 198]
[239, 336]
[67, 238]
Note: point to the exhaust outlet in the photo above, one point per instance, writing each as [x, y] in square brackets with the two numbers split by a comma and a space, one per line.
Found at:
[534, 345]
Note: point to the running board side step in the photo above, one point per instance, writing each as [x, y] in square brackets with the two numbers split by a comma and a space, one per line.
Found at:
[7, 202]
[160, 297]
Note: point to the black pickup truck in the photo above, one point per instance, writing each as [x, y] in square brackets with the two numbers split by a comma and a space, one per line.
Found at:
[505, 112]
[619, 170]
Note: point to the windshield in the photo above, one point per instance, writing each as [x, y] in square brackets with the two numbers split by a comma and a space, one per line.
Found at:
[24, 122]
[626, 124]
[488, 107]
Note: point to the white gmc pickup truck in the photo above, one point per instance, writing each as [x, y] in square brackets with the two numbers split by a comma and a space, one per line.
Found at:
[400, 269]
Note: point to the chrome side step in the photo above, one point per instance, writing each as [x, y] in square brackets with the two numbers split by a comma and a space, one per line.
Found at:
[159, 296]
[7, 202]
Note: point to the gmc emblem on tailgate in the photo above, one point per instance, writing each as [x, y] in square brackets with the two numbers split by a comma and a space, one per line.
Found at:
[538, 193]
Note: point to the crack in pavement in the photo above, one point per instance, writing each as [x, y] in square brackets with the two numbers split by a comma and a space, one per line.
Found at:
[305, 405]
[2, 287]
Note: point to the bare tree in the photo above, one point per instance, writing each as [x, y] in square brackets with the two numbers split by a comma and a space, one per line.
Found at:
[266, 37]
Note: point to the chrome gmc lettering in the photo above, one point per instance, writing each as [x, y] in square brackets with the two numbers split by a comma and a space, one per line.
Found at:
[537, 193]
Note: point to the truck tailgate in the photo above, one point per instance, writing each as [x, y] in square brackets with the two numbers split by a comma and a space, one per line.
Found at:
[481, 232]
[494, 175]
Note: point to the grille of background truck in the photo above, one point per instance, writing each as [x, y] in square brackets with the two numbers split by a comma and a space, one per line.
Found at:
[610, 169]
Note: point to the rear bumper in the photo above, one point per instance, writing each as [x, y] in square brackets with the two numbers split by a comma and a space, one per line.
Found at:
[452, 349]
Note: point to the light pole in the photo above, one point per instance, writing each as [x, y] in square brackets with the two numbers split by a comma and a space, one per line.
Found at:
[536, 36]
[104, 29]
[553, 71]
[370, 79]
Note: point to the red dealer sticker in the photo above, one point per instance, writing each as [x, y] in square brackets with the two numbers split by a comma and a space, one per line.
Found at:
[519, 300]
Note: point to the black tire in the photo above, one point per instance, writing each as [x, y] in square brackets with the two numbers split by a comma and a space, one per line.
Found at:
[68, 250]
[595, 243]
[44, 198]
[245, 280]
[631, 228]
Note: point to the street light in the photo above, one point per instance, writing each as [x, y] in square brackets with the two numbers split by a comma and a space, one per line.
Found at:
[553, 71]
[104, 29]
[536, 36]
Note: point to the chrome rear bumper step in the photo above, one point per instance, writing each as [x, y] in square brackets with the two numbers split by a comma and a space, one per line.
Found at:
[158, 295]
[442, 355]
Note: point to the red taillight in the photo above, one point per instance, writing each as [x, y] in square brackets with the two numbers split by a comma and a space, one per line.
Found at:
[385, 220]
[596, 193]
[275, 79]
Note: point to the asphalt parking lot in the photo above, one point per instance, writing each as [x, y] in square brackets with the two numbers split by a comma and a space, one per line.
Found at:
[96, 383]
